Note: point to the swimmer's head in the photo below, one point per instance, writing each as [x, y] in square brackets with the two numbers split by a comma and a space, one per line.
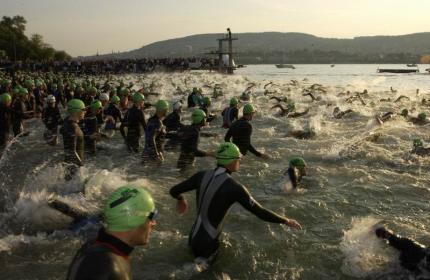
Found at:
[130, 210]
[228, 156]
[299, 164]
[405, 112]
[422, 116]
[418, 143]
[383, 233]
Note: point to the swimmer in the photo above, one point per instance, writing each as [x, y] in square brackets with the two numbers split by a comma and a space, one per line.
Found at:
[241, 130]
[231, 113]
[419, 149]
[294, 174]
[129, 215]
[189, 136]
[338, 114]
[413, 256]
[73, 137]
[217, 191]
[51, 117]
[289, 112]
[155, 133]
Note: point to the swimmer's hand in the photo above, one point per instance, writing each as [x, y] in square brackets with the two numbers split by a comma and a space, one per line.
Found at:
[181, 206]
[293, 224]
[265, 156]
[96, 136]
[210, 154]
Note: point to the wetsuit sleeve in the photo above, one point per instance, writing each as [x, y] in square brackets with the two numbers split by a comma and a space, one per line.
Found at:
[190, 184]
[228, 135]
[405, 244]
[142, 119]
[73, 153]
[152, 130]
[249, 203]
[236, 113]
[251, 148]
[195, 143]
[123, 125]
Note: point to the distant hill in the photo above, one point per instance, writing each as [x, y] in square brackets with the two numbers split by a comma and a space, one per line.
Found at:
[273, 47]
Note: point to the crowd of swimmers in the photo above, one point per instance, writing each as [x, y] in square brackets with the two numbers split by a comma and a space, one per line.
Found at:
[94, 111]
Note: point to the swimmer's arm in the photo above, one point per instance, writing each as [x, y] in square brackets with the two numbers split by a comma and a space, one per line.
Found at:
[73, 139]
[228, 135]
[249, 203]
[190, 184]
[142, 120]
[405, 244]
[248, 133]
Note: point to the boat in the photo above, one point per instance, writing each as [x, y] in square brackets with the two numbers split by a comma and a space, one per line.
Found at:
[398, 71]
[412, 65]
[289, 66]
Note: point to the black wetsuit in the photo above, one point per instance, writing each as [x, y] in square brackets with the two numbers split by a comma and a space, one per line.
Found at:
[113, 111]
[5, 124]
[106, 258]
[192, 100]
[241, 131]
[229, 115]
[173, 122]
[19, 110]
[51, 117]
[216, 192]
[413, 256]
[209, 117]
[189, 136]
[173, 125]
[155, 134]
[73, 139]
[89, 127]
[134, 120]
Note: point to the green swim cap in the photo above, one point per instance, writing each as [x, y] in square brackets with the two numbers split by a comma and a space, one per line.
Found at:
[115, 99]
[195, 90]
[206, 101]
[162, 105]
[23, 92]
[422, 116]
[124, 91]
[405, 112]
[75, 105]
[198, 116]
[291, 106]
[127, 208]
[418, 143]
[138, 97]
[96, 104]
[6, 82]
[234, 101]
[5, 97]
[92, 90]
[248, 109]
[16, 90]
[297, 162]
[227, 153]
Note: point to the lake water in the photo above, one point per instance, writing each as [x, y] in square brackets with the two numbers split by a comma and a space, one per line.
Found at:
[352, 183]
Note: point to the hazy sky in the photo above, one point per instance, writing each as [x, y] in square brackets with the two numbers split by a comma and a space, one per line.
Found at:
[83, 27]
